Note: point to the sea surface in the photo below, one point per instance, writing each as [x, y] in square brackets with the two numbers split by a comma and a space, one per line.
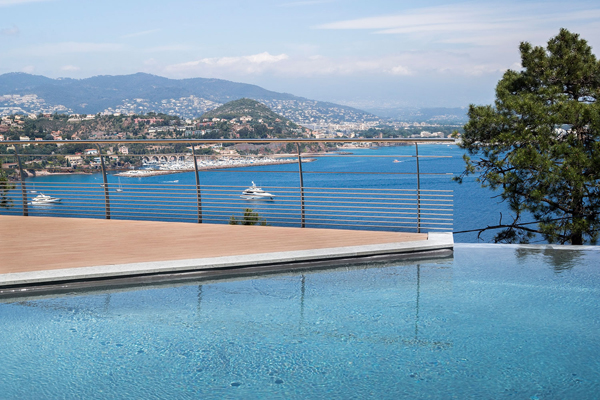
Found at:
[474, 207]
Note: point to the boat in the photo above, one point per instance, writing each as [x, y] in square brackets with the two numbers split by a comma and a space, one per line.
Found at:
[397, 161]
[44, 199]
[256, 193]
[120, 188]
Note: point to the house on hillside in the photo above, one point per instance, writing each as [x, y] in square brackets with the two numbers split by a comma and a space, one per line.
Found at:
[74, 160]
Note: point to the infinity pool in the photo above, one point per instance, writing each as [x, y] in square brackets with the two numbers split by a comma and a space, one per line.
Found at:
[494, 322]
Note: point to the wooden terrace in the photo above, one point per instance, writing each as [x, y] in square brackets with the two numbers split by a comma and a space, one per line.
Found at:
[41, 250]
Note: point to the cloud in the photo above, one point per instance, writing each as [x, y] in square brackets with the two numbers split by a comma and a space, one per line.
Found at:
[142, 33]
[395, 66]
[471, 23]
[400, 70]
[69, 68]
[6, 3]
[29, 69]
[14, 31]
[255, 63]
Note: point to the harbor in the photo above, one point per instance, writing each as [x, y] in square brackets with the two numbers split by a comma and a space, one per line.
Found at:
[156, 168]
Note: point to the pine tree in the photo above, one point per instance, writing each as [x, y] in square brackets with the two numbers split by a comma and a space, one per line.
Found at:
[539, 143]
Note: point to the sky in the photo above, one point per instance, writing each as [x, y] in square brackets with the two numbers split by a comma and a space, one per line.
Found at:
[369, 54]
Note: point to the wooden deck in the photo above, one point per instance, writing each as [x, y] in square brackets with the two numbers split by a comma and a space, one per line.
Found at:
[45, 243]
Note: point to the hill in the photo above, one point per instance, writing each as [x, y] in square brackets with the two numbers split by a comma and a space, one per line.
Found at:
[247, 118]
[244, 107]
[143, 93]
[244, 118]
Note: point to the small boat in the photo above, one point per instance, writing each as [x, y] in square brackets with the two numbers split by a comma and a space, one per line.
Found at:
[120, 188]
[397, 161]
[43, 199]
[256, 193]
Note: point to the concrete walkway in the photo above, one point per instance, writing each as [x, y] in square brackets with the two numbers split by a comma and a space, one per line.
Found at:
[35, 250]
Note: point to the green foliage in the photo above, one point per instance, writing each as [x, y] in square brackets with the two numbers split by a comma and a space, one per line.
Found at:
[249, 218]
[272, 125]
[5, 186]
[540, 145]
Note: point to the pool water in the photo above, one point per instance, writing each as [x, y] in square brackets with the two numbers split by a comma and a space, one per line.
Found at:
[493, 322]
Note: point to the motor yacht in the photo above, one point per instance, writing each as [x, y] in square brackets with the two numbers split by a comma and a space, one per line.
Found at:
[256, 193]
[44, 199]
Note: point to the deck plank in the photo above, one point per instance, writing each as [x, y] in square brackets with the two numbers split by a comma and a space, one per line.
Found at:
[46, 243]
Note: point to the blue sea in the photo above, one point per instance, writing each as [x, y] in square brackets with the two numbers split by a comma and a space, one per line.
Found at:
[474, 207]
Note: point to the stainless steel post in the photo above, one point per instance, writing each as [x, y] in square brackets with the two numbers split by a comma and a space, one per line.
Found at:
[23, 187]
[301, 186]
[418, 190]
[105, 185]
[198, 195]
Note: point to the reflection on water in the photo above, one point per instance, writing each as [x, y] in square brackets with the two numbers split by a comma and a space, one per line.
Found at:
[492, 322]
[559, 260]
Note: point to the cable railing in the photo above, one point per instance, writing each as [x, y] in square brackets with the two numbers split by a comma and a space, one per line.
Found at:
[308, 188]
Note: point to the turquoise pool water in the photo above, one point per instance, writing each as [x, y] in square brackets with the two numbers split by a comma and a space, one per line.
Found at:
[494, 322]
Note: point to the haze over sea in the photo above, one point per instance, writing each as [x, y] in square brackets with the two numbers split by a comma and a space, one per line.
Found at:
[474, 207]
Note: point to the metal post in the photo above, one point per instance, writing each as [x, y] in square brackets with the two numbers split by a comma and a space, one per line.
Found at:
[23, 187]
[302, 293]
[301, 186]
[198, 196]
[105, 185]
[418, 190]
[417, 302]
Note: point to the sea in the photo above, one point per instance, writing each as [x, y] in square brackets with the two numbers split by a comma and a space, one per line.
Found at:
[474, 207]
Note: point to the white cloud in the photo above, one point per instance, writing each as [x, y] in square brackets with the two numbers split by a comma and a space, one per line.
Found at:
[256, 63]
[69, 68]
[29, 69]
[475, 23]
[14, 31]
[396, 65]
[400, 70]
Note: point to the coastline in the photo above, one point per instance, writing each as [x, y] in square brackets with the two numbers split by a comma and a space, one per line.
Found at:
[138, 173]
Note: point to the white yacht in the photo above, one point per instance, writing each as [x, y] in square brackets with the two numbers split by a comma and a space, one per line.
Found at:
[43, 199]
[256, 193]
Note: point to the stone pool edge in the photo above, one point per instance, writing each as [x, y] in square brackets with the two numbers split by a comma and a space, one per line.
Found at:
[435, 241]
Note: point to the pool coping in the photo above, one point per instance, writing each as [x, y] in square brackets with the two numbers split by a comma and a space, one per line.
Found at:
[435, 241]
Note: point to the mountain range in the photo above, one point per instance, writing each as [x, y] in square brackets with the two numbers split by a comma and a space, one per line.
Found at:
[142, 93]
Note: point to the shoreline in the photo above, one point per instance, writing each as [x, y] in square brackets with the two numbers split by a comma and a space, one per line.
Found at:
[139, 173]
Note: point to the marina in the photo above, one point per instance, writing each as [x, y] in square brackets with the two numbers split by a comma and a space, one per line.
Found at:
[154, 168]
